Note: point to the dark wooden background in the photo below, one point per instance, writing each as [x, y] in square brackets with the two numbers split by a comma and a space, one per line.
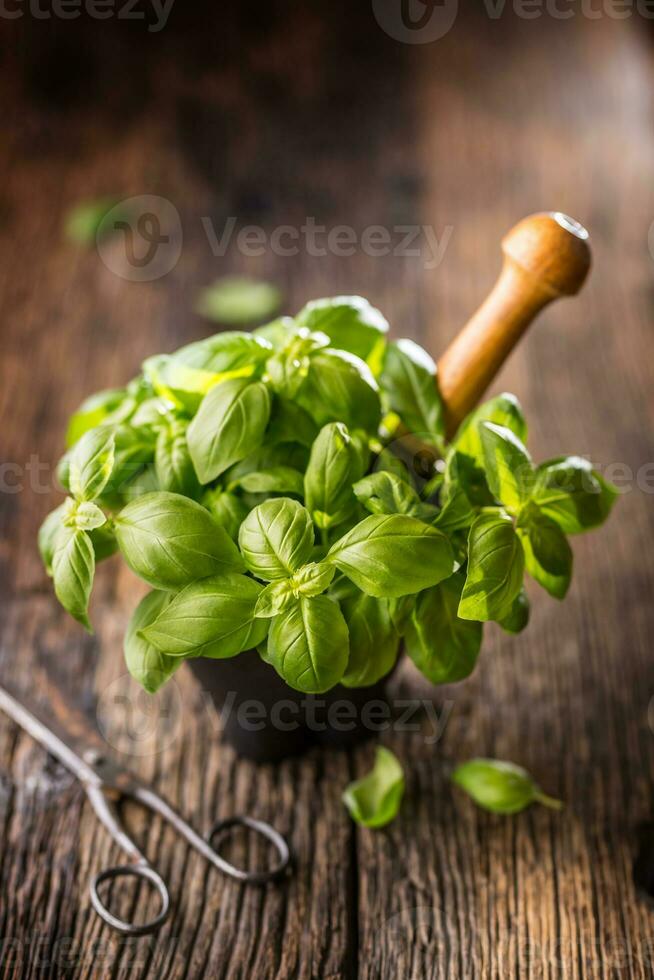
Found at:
[271, 115]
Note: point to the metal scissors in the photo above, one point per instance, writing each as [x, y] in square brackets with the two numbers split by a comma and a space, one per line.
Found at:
[106, 785]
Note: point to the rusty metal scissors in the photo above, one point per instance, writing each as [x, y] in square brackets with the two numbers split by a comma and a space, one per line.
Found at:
[106, 785]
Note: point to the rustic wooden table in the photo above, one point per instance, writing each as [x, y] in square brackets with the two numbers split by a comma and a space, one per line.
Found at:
[273, 117]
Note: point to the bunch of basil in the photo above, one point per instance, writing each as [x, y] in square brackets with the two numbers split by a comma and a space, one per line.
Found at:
[248, 479]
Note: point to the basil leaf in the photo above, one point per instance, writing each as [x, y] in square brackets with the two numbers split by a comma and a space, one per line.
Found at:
[374, 641]
[409, 384]
[230, 423]
[385, 493]
[464, 476]
[351, 324]
[237, 300]
[509, 469]
[573, 494]
[442, 646]
[334, 465]
[277, 479]
[267, 458]
[48, 535]
[500, 787]
[91, 463]
[340, 388]
[82, 515]
[276, 538]
[172, 460]
[147, 665]
[312, 579]
[495, 568]
[290, 423]
[134, 450]
[548, 556]
[104, 541]
[456, 511]
[278, 332]
[274, 598]
[224, 353]
[73, 568]
[375, 800]
[308, 644]
[210, 618]
[93, 412]
[227, 509]
[393, 555]
[518, 617]
[504, 410]
[170, 541]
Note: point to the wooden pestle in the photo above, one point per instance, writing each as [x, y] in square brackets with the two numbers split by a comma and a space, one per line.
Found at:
[545, 256]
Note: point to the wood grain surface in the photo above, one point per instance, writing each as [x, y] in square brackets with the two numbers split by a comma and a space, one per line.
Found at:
[274, 115]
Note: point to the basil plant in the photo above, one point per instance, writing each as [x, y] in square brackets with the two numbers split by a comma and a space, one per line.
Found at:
[253, 481]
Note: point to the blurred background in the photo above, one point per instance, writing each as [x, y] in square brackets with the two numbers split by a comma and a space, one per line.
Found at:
[425, 132]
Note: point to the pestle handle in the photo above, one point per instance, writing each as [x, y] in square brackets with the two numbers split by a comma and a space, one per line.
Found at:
[545, 256]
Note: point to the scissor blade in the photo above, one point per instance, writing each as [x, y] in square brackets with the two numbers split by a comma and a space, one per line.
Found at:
[45, 737]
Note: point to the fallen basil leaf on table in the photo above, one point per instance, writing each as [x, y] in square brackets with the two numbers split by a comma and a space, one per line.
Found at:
[84, 221]
[374, 800]
[500, 787]
[239, 301]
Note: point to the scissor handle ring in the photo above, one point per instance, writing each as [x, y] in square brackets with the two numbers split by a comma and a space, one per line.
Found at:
[259, 827]
[143, 871]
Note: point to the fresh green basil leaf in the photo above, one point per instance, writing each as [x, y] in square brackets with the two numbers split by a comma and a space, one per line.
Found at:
[442, 646]
[85, 221]
[48, 534]
[409, 384]
[94, 411]
[170, 541]
[385, 493]
[464, 475]
[235, 300]
[277, 479]
[375, 800]
[573, 494]
[82, 515]
[225, 353]
[134, 451]
[290, 423]
[504, 410]
[91, 463]
[390, 555]
[518, 617]
[312, 579]
[104, 541]
[548, 556]
[274, 598]
[500, 787]
[267, 457]
[496, 564]
[334, 465]
[73, 568]
[278, 332]
[308, 644]
[230, 423]
[148, 666]
[172, 460]
[351, 324]
[144, 482]
[227, 509]
[276, 538]
[374, 640]
[213, 617]
[340, 388]
[456, 511]
[508, 465]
